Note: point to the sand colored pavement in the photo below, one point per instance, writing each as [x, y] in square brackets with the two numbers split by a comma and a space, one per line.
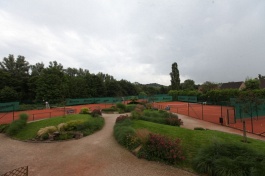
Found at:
[97, 155]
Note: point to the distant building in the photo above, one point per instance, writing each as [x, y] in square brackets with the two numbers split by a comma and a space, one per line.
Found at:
[233, 85]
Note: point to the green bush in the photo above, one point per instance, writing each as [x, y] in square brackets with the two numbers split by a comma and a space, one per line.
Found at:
[125, 134]
[228, 159]
[107, 110]
[199, 128]
[73, 125]
[174, 121]
[3, 128]
[121, 106]
[96, 113]
[162, 148]
[17, 125]
[84, 111]
[130, 108]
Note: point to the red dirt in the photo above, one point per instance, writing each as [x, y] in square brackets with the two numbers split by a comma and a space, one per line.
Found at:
[48, 113]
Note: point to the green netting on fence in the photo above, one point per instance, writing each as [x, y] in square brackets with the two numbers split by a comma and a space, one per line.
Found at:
[160, 98]
[192, 99]
[105, 100]
[7, 107]
[248, 109]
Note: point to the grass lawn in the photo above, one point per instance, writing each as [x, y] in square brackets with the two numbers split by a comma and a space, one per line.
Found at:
[193, 140]
[30, 131]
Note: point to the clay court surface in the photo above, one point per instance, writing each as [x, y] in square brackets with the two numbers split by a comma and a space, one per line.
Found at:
[212, 113]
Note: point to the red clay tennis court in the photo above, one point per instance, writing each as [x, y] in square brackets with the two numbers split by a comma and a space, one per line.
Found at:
[222, 115]
[48, 113]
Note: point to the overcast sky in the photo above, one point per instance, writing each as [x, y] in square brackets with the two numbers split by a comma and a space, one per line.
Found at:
[211, 40]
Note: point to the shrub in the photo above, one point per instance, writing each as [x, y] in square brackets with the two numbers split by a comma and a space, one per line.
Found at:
[130, 108]
[174, 121]
[3, 128]
[47, 130]
[199, 128]
[161, 148]
[155, 120]
[106, 110]
[125, 134]
[142, 135]
[121, 118]
[96, 113]
[228, 159]
[72, 125]
[121, 106]
[84, 111]
[17, 125]
[62, 126]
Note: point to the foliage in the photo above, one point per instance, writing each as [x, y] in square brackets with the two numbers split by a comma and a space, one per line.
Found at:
[111, 109]
[8, 94]
[175, 80]
[121, 106]
[73, 125]
[125, 134]
[174, 121]
[138, 111]
[84, 111]
[96, 113]
[122, 118]
[17, 125]
[207, 86]
[30, 131]
[130, 108]
[192, 141]
[221, 158]
[143, 135]
[188, 85]
[162, 117]
[3, 128]
[198, 128]
[252, 84]
[47, 130]
[162, 148]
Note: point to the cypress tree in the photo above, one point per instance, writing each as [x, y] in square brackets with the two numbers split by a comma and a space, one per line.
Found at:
[175, 81]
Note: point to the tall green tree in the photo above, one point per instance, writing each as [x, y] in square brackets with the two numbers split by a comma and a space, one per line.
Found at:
[175, 80]
[15, 74]
[188, 85]
[252, 84]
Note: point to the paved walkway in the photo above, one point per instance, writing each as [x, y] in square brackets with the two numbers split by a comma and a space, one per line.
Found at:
[190, 123]
[98, 155]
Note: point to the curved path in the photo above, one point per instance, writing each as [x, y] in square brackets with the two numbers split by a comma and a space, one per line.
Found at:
[98, 154]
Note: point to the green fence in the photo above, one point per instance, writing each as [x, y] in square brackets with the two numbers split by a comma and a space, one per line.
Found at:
[248, 109]
[113, 100]
[192, 99]
[8, 107]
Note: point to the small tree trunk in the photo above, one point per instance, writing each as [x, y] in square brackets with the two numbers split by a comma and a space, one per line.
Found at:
[244, 132]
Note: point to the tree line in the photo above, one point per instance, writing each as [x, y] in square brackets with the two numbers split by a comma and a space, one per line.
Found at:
[26, 83]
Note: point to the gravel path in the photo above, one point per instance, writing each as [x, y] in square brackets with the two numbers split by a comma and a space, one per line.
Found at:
[98, 154]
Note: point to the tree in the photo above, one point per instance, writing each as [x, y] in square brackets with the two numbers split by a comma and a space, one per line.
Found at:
[261, 76]
[175, 81]
[188, 85]
[8, 94]
[15, 73]
[207, 86]
[252, 84]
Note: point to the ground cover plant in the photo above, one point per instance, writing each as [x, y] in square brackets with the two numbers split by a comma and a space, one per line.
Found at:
[156, 116]
[65, 127]
[193, 141]
[120, 108]
[17, 125]
[145, 144]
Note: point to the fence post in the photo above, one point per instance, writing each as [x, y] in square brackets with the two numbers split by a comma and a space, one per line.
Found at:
[188, 109]
[202, 111]
[50, 114]
[13, 112]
